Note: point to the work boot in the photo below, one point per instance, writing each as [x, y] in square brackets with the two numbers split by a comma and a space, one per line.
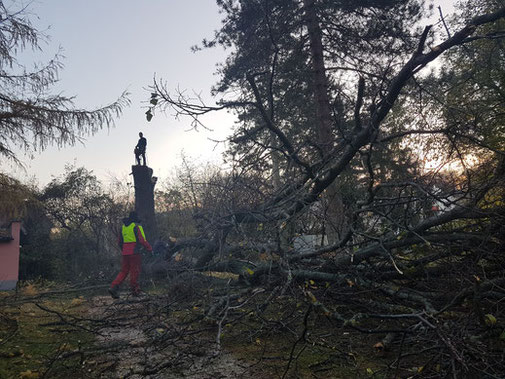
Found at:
[114, 292]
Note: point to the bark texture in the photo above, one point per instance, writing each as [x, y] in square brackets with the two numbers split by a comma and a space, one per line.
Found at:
[144, 200]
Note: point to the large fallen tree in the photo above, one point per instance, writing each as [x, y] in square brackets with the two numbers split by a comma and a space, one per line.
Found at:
[419, 249]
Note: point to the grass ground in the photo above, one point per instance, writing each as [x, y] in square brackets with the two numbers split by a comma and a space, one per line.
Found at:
[169, 334]
[40, 337]
[32, 340]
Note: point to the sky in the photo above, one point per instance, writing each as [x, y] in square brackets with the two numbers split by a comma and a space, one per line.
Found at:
[115, 45]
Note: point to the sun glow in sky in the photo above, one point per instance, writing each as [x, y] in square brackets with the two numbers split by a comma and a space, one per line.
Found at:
[117, 45]
[454, 165]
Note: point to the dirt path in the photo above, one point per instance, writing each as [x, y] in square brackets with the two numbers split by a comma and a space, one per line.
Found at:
[140, 345]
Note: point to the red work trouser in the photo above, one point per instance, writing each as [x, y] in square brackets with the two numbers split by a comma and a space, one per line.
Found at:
[129, 264]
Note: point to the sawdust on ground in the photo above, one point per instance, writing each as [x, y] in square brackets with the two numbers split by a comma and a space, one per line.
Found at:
[141, 349]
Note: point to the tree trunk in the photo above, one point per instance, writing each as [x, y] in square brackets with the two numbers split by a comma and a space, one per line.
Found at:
[144, 200]
[336, 223]
[323, 113]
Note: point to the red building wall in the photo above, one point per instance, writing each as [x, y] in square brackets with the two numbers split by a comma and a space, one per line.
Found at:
[9, 259]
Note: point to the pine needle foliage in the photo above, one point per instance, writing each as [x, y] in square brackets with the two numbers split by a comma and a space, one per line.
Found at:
[31, 116]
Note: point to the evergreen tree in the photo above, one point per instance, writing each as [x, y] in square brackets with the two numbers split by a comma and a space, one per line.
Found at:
[31, 117]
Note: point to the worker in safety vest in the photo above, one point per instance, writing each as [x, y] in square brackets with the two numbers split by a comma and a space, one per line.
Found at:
[131, 237]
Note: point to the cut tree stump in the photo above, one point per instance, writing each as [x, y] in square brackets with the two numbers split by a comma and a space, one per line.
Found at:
[144, 183]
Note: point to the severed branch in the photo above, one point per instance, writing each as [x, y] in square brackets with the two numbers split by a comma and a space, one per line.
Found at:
[66, 321]
[300, 339]
[442, 18]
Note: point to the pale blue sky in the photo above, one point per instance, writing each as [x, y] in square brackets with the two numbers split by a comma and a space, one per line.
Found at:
[116, 45]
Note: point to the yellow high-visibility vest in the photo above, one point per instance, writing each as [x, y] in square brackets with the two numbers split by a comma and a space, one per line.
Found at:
[128, 232]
